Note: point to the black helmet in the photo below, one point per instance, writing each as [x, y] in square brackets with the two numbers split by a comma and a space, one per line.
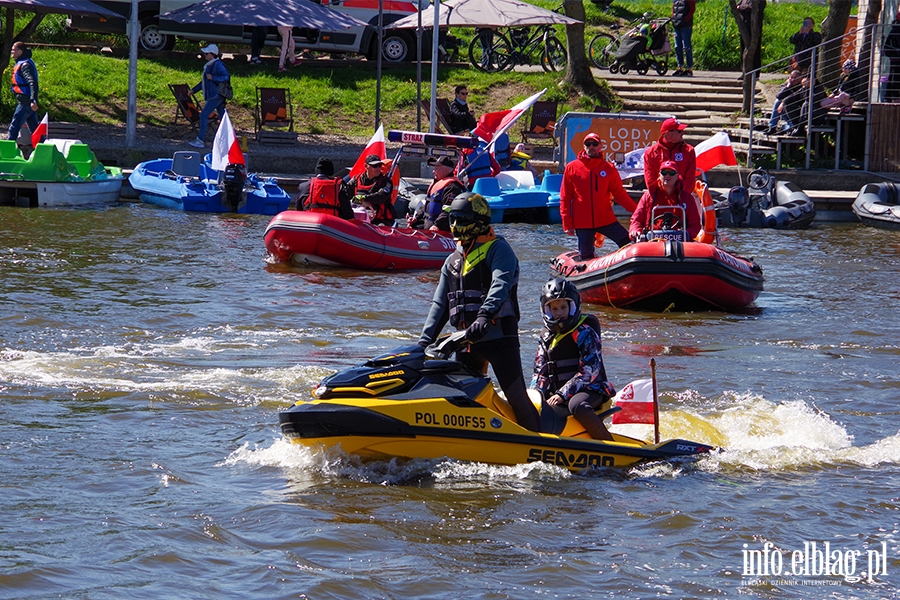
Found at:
[470, 216]
[560, 289]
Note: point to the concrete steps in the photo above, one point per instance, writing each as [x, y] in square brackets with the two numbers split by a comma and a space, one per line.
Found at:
[707, 102]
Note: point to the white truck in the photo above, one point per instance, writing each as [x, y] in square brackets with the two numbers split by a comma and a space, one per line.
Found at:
[159, 34]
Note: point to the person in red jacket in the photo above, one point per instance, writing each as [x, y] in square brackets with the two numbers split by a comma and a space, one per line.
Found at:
[670, 146]
[669, 192]
[589, 185]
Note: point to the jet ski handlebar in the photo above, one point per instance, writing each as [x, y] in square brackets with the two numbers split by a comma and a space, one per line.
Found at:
[444, 347]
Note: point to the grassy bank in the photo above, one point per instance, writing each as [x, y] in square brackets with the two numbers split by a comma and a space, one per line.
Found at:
[340, 98]
[334, 98]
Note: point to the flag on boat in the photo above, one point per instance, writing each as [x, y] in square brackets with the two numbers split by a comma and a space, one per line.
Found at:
[632, 165]
[715, 151]
[40, 134]
[636, 400]
[226, 149]
[495, 123]
[375, 146]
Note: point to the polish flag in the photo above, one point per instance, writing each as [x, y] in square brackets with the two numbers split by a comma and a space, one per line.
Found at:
[493, 124]
[715, 151]
[636, 400]
[375, 146]
[40, 133]
[226, 149]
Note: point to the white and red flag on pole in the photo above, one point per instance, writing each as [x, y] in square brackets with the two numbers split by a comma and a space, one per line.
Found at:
[490, 125]
[40, 134]
[375, 146]
[715, 151]
[226, 149]
[636, 400]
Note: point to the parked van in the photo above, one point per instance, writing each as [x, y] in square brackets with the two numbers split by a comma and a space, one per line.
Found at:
[159, 34]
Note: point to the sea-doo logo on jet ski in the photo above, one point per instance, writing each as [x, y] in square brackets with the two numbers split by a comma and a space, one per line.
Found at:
[563, 459]
[496, 423]
[388, 374]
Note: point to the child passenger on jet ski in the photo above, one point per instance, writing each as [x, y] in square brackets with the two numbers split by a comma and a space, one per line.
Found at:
[568, 366]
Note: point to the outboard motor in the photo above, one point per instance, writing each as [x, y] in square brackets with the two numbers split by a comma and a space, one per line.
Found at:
[234, 178]
[738, 204]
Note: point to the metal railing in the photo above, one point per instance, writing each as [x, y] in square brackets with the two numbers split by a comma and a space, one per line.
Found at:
[822, 73]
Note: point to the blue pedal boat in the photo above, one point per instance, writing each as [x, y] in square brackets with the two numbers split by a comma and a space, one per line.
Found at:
[513, 197]
[185, 182]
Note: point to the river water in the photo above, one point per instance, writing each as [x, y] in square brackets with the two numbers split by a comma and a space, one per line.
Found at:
[145, 354]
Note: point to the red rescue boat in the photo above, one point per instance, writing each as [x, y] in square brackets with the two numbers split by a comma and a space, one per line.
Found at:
[303, 237]
[665, 274]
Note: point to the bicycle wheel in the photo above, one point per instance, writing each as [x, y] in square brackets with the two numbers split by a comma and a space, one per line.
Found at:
[491, 59]
[554, 57]
[602, 50]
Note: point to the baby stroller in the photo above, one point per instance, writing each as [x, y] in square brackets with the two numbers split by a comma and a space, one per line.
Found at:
[644, 48]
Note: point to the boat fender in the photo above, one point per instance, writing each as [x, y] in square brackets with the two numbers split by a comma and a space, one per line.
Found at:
[707, 235]
[778, 217]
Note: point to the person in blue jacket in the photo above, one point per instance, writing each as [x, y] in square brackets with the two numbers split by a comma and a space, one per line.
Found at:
[25, 89]
[214, 73]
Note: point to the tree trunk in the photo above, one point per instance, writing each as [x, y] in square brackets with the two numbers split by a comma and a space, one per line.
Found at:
[834, 26]
[751, 36]
[9, 23]
[873, 15]
[578, 70]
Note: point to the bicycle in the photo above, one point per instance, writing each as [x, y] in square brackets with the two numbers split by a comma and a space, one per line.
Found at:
[604, 46]
[491, 51]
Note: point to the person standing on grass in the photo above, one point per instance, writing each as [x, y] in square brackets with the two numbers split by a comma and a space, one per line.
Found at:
[25, 88]
[683, 23]
[214, 72]
[288, 49]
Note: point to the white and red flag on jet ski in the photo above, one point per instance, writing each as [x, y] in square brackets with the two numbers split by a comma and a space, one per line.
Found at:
[375, 146]
[636, 400]
[226, 149]
[490, 125]
[40, 134]
[715, 151]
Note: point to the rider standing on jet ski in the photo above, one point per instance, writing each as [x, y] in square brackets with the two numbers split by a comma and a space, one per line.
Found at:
[477, 292]
[568, 365]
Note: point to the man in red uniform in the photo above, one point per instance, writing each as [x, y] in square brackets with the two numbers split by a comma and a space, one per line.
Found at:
[670, 146]
[589, 185]
[669, 192]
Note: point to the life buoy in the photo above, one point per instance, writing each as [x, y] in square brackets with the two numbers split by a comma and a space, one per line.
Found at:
[707, 235]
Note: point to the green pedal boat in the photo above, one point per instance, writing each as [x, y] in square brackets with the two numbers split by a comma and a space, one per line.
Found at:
[58, 173]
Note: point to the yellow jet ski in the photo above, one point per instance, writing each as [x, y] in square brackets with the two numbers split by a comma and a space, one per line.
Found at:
[408, 404]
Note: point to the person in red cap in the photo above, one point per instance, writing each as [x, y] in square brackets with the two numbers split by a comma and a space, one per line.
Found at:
[670, 146]
[589, 183]
[670, 191]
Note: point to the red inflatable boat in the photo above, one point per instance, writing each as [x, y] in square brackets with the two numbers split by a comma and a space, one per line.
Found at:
[664, 274]
[302, 237]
